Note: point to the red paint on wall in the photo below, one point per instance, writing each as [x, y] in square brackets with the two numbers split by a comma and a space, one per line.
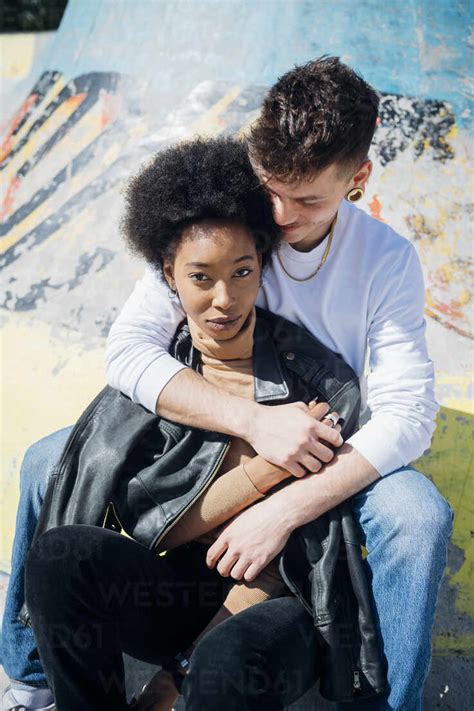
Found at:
[375, 208]
[8, 199]
[7, 144]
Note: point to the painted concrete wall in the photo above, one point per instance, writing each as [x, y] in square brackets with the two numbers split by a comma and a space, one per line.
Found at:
[122, 79]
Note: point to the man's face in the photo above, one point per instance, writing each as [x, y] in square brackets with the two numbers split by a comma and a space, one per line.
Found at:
[305, 209]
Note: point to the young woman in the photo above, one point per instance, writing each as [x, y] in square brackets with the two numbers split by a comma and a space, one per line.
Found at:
[196, 213]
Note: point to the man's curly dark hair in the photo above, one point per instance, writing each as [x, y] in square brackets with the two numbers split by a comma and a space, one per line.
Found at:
[317, 114]
[196, 180]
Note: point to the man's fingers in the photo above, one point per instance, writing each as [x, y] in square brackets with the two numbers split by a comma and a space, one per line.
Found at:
[321, 452]
[295, 469]
[239, 569]
[328, 434]
[215, 552]
[252, 571]
[226, 563]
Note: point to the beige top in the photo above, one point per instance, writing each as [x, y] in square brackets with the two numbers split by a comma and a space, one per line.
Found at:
[229, 365]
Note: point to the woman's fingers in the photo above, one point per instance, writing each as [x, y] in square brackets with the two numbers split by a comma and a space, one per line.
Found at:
[331, 419]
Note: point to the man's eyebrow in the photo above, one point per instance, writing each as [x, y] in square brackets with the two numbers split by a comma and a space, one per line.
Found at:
[294, 197]
[236, 261]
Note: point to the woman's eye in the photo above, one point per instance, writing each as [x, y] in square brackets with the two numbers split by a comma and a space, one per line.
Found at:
[199, 277]
[243, 272]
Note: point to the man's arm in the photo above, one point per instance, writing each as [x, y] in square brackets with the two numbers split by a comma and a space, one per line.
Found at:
[285, 435]
[401, 375]
[136, 357]
[138, 364]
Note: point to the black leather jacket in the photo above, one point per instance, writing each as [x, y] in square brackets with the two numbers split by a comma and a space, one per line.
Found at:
[126, 467]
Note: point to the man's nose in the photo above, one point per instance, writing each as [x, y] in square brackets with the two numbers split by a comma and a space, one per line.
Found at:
[283, 211]
[222, 297]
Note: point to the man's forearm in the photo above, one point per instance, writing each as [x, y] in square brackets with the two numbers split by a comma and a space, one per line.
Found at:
[286, 435]
[191, 400]
[305, 499]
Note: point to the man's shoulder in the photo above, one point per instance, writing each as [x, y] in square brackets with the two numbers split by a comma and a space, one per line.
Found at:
[377, 235]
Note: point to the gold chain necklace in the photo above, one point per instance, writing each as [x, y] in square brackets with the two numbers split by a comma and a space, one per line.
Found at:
[325, 256]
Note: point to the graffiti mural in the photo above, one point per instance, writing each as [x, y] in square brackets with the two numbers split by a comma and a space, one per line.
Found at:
[70, 144]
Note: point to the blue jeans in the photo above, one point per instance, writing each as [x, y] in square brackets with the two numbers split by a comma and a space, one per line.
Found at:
[404, 523]
[19, 654]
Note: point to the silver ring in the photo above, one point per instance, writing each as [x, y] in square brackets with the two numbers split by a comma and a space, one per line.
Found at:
[334, 419]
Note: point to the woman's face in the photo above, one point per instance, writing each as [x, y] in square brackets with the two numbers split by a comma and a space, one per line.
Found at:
[216, 273]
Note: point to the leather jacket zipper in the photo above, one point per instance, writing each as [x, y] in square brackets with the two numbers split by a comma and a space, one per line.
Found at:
[211, 477]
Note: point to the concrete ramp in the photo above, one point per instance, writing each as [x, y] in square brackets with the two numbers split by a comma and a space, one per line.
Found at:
[121, 80]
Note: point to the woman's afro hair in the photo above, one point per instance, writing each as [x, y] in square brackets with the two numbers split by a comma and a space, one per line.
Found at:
[197, 180]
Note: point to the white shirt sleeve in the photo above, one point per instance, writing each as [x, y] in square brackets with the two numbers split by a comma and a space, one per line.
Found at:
[136, 358]
[401, 375]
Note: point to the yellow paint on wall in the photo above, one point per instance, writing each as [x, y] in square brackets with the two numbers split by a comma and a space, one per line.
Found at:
[461, 388]
[48, 377]
[61, 114]
[16, 54]
[449, 463]
[209, 123]
[453, 645]
[49, 206]
[453, 132]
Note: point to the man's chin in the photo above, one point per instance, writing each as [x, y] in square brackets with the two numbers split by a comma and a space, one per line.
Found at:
[294, 236]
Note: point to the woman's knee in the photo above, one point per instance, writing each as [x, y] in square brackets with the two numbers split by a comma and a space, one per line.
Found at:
[244, 656]
[222, 662]
[61, 554]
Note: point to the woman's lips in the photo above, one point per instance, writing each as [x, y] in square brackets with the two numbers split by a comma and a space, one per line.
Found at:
[290, 228]
[223, 324]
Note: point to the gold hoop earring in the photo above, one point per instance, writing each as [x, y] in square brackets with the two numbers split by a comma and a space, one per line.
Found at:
[355, 194]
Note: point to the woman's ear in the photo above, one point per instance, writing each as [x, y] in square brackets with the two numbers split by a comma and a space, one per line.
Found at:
[168, 273]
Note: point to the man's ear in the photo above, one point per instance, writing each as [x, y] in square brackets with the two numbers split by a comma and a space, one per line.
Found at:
[168, 273]
[361, 178]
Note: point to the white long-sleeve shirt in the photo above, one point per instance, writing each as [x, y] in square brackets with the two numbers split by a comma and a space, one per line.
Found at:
[368, 295]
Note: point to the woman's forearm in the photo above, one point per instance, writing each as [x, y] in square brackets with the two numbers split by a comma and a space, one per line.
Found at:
[228, 495]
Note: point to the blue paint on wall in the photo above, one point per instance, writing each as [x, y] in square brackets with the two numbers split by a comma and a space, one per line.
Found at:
[417, 48]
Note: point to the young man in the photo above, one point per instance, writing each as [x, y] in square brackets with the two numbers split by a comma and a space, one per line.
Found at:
[354, 284]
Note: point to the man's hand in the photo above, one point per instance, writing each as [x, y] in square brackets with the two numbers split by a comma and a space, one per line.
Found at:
[291, 438]
[250, 541]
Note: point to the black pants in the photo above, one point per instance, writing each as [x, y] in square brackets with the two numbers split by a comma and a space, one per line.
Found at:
[93, 593]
